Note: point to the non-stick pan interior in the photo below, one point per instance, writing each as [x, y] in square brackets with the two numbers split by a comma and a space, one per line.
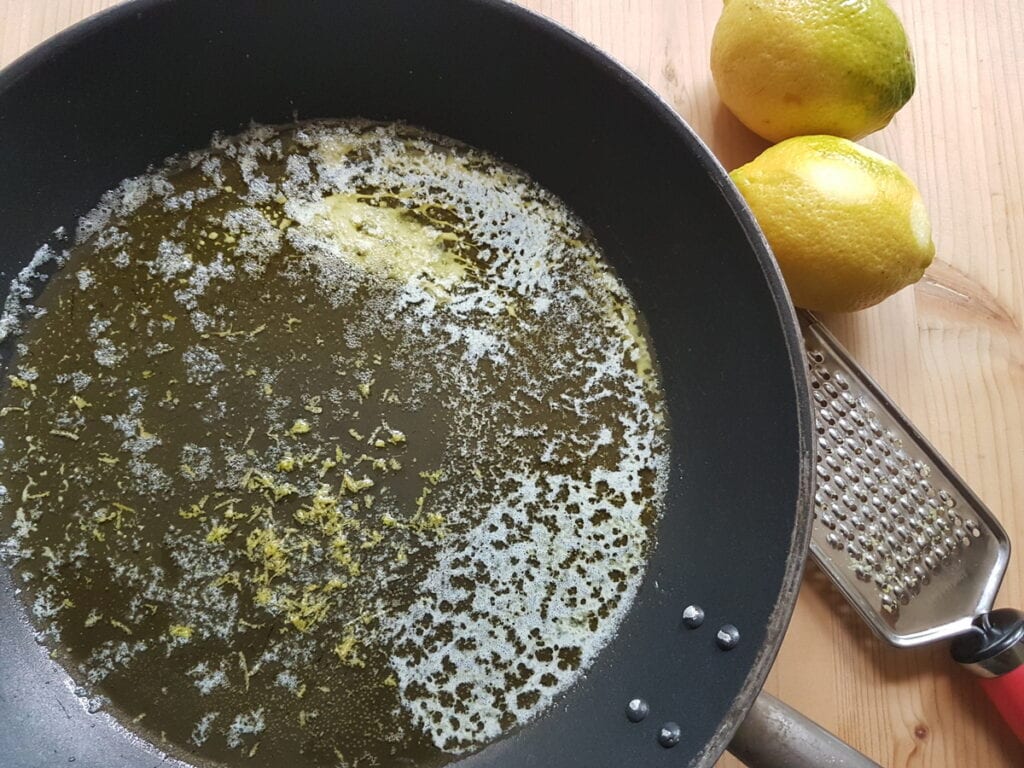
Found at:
[154, 77]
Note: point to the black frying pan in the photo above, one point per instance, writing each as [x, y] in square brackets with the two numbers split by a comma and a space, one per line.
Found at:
[154, 77]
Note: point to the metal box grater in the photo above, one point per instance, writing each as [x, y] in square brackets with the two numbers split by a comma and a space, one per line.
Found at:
[902, 536]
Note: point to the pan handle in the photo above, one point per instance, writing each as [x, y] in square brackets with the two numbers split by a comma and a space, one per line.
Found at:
[774, 735]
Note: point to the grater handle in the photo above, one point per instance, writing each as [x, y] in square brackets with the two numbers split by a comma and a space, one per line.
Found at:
[774, 735]
[993, 649]
[1007, 693]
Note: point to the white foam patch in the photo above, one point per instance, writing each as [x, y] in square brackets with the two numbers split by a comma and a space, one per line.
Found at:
[22, 288]
[201, 732]
[206, 679]
[251, 724]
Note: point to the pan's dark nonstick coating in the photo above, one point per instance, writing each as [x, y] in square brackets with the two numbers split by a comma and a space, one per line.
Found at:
[154, 77]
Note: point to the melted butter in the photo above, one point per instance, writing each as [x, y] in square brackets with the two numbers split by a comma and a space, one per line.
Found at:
[334, 150]
[250, 463]
[390, 242]
[631, 327]
[640, 353]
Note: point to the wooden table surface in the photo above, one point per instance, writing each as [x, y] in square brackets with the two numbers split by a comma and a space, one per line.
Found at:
[950, 350]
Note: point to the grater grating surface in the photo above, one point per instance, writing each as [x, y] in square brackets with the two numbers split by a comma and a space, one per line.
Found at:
[909, 544]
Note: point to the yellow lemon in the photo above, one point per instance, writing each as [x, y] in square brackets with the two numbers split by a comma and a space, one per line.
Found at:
[847, 226]
[799, 67]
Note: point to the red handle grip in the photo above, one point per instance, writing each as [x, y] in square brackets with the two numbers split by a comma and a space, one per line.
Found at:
[1007, 693]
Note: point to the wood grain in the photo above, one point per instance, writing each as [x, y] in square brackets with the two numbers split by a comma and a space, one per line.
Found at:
[950, 350]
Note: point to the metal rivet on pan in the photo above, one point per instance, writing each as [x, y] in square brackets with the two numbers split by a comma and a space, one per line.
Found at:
[669, 735]
[728, 637]
[637, 710]
[693, 616]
